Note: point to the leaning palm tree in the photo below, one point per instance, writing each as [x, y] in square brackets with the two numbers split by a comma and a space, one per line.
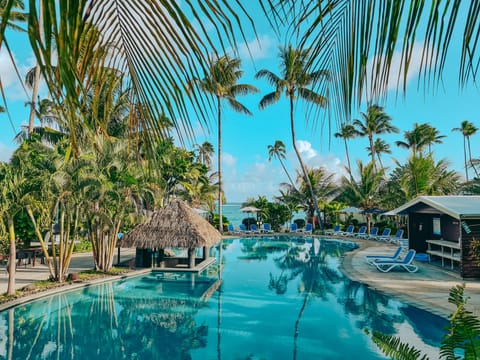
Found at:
[278, 151]
[347, 131]
[295, 81]
[374, 122]
[380, 147]
[467, 129]
[221, 82]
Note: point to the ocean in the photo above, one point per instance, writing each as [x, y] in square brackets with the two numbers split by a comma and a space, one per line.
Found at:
[235, 216]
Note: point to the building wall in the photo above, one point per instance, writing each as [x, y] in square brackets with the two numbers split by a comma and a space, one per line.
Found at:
[470, 265]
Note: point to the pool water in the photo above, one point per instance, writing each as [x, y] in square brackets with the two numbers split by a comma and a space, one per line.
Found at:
[280, 298]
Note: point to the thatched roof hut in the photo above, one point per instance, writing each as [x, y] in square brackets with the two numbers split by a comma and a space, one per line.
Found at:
[175, 225]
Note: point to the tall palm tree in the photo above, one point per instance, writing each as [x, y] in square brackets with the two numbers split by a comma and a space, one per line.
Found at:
[380, 147]
[364, 192]
[278, 151]
[221, 82]
[374, 122]
[467, 129]
[421, 137]
[347, 131]
[295, 80]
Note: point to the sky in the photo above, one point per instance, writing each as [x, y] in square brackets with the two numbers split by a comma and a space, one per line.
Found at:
[247, 172]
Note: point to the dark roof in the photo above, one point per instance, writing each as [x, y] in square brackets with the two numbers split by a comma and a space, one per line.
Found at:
[458, 207]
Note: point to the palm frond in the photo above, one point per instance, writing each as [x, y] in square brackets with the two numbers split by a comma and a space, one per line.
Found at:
[393, 348]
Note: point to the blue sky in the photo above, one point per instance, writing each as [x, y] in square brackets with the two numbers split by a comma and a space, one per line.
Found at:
[246, 169]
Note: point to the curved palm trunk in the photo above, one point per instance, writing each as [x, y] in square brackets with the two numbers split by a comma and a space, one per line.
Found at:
[372, 150]
[348, 159]
[465, 157]
[31, 121]
[12, 259]
[220, 215]
[286, 172]
[470, 157]
[302, 165]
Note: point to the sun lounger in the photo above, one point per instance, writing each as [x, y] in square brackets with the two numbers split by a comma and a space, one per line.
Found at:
[397, 238]
[232, 230]
[373, 233]
[385, 235]
[293, 228]
[308, 229]
[267, 229]
[405, 263]
[347, 232]
[254, 229]
[335, 231]
[361, 232]
[372, 258]
[243, 229]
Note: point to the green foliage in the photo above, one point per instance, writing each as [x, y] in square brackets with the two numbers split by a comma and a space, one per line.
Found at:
[394, 348]
[82, 246]
[475, 249]
[464, 329]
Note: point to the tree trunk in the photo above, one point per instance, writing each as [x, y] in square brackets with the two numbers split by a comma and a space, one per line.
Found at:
[302, 165]
[286, 172]
[348, 160]
[191, 258]
[465, 156]
[220, 215]
[470, 157]
[13, 258]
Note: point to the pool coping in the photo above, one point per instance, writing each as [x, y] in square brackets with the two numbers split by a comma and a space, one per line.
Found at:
[69, 287]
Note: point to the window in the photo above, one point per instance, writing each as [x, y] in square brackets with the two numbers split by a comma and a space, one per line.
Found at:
[436, 226]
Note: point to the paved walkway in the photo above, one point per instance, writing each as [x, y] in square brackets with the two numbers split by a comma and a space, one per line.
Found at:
[29, 274]
[428, 288]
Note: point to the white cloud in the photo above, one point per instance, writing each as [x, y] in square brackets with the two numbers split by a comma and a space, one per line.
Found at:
[228, 159]
[260, 48]
[396, 67]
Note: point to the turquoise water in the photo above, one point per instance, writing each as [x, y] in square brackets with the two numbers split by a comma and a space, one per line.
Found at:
[280, 298]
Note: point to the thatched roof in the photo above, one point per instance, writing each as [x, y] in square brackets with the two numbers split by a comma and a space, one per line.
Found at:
[174, 225]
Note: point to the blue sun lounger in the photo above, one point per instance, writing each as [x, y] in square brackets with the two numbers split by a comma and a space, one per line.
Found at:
[372, 258]
[405, 263]
[335, 231]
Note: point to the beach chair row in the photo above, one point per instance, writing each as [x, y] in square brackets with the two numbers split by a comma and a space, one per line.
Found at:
[372, 235]
[242, 229]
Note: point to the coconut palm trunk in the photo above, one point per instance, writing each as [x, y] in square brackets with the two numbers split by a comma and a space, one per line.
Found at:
[302, 165]
[220, 188]
[13, 257]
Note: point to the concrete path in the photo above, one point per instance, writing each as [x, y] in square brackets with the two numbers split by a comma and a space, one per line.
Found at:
[428, 288]
[29, 274]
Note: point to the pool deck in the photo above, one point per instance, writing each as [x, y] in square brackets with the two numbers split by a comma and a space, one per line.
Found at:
[428, 288]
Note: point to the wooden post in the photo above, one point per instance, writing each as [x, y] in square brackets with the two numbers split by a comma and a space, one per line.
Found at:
[191, 258]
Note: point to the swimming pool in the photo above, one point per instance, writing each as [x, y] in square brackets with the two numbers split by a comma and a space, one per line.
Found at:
[280, 298]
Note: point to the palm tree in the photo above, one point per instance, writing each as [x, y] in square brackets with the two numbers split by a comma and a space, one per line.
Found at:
[374, 122]
[364, 192]
[380, 147]
[221, 82]
[467, 129]
[278, 151]
[10, 204]
[294, 81]
[347, 131]
[205, 153]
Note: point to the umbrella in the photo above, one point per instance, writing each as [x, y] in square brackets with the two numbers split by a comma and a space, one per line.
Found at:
[373, 211]
[250, 209]
[352, 210]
